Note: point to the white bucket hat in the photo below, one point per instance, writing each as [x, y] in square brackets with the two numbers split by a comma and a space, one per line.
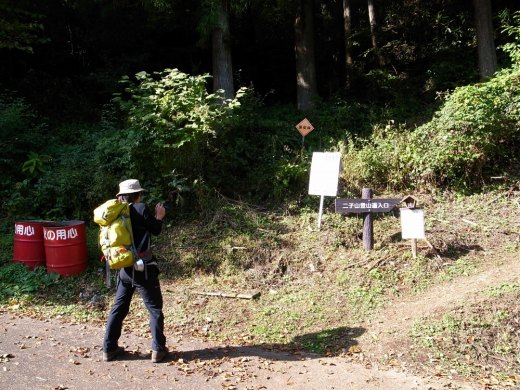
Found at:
[129, 186]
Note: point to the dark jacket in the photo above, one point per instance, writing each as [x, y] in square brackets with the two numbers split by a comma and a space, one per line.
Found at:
[143, 221]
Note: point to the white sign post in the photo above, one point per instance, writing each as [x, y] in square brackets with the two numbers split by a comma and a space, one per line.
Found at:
[324, 176]
[412, 226]
[412, 223]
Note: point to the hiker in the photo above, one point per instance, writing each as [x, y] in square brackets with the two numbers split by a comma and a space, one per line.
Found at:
[145, 278]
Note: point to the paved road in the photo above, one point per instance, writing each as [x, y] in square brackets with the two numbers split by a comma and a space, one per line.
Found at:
[50, 354]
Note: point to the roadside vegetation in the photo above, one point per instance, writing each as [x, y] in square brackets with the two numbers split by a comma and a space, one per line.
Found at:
[319, 290]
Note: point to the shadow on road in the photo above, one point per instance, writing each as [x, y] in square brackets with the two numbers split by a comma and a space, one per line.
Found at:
[341, 339]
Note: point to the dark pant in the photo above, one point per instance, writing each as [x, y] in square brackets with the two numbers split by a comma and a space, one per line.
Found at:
[150, 290]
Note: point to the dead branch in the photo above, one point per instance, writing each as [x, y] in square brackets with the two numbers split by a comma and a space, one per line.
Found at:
[378, 263]
[435, 251]
[362, 262]
[469, 222]
[229, 295]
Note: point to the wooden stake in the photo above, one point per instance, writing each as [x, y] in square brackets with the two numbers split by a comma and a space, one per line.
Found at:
[414, 248]
[368, 225]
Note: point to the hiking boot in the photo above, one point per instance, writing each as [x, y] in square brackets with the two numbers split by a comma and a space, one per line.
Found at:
[158, 356]
[108, 356]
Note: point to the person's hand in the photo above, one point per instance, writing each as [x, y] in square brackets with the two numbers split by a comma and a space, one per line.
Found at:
[160, 211]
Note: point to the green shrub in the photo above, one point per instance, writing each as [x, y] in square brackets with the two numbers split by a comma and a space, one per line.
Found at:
[16, 280]
[261, 151]
[20, 135]
[6, 240]
[45, 174]
[512, 30]
[260, 148]
[171, 121]
[64, 181]
[476, 132]
[379, 162]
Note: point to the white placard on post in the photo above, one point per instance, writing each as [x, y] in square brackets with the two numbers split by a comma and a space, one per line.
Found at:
[324, 173]
[324, 176]
[412, 223]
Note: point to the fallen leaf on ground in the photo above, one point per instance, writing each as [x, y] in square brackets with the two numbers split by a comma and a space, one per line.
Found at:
[355, 349]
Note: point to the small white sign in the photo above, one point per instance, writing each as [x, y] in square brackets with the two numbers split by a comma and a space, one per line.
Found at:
[412, 223]
[324, 173]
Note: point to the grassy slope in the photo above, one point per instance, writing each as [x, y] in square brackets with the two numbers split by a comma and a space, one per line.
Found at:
[320, 291]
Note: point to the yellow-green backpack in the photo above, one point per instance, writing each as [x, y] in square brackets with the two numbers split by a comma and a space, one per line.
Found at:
[115, 234]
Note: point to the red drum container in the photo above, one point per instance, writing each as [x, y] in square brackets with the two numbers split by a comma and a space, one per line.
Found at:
[65, 247]
[28, 243]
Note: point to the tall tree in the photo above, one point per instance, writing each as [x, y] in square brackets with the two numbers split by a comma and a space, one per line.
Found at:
[372, 18]
[347, 28]
[487, 56]
[221, 51]
[306, 84]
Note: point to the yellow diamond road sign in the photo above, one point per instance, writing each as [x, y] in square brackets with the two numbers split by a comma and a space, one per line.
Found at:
[304, 127]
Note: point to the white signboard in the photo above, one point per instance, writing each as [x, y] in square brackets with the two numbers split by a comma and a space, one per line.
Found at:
[412, 223]
[324, 173]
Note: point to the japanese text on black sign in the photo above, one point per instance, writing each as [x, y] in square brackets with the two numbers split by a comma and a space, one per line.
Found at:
[365, 205]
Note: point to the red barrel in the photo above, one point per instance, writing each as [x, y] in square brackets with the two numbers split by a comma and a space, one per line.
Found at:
[28, 243]
[65, 247]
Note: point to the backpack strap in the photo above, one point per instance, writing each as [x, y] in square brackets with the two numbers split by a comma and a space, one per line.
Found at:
[132, 248]
[137, 250]
[146, 236]
[145, 262]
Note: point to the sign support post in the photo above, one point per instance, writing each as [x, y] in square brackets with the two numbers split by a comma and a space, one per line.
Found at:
[414, 248]
[368, 223]
[366, 206]
[320, 212]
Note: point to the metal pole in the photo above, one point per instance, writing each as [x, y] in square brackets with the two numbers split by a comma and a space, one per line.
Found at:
[321, 212]
[368, 224]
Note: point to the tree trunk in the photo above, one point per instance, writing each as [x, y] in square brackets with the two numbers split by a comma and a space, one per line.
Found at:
[306, 85]
[373, 31]
[487, 56]
[347, 29]
[221, 55]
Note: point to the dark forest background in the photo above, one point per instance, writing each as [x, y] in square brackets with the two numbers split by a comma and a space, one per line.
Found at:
[93, 92]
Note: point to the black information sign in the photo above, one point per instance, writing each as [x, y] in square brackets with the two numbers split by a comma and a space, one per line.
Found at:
[361, 206]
